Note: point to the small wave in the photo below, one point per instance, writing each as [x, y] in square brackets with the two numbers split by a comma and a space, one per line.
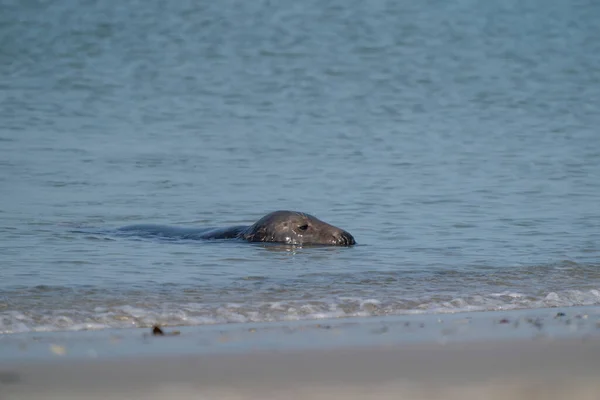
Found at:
[181, 314]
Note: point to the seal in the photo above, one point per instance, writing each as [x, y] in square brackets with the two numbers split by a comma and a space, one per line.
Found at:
[288, 227]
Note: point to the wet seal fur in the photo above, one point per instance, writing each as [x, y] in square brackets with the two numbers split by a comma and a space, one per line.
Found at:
[287, 227]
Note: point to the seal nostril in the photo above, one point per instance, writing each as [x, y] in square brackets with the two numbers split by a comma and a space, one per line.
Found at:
[346, 239]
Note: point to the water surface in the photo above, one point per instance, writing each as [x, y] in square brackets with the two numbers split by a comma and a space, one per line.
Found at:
[456, 140]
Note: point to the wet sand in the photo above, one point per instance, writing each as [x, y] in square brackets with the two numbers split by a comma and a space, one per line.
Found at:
[545, 354]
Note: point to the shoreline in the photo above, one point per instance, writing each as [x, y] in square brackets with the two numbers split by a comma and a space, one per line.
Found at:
[560, 322]
[563, 322]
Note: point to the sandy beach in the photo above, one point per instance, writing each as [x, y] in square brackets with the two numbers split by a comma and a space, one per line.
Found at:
[529, 354]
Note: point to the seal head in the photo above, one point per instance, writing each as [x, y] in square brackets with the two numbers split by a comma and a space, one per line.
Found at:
[296, 228]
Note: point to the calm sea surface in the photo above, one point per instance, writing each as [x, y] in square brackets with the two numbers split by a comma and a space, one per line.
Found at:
[458, 141]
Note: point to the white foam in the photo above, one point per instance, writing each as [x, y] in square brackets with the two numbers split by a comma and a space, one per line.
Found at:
[172, 314]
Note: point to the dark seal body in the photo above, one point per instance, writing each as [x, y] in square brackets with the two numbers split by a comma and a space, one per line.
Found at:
[288, 227]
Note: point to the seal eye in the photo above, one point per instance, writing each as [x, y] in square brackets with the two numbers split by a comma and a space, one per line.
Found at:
[303, 227]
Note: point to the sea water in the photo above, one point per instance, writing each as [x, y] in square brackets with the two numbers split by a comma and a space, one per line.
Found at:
[457, 141]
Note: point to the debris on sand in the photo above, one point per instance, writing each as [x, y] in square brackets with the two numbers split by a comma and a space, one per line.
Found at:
[58, 350]
[157, 331]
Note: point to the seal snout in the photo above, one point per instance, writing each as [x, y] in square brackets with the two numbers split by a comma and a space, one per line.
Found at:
[344, 239]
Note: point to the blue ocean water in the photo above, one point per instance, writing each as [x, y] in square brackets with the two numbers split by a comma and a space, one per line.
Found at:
[456, 140]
